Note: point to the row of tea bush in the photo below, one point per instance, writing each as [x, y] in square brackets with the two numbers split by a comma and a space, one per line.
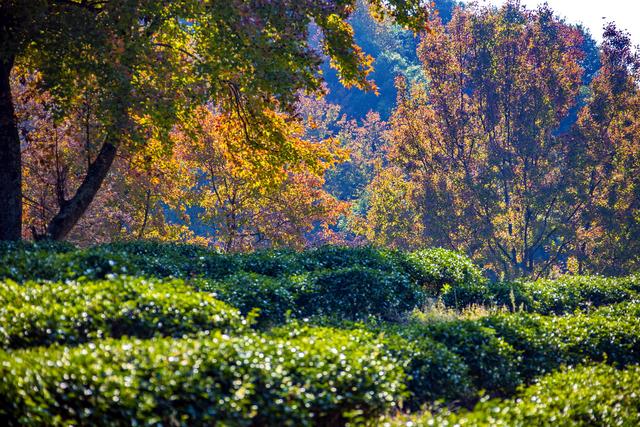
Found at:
[452, 359]
[595, 395]
[352, 283]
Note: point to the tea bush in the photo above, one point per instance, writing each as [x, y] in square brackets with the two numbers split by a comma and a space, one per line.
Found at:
[339, 257]
[275, 298]
[544, 343]
[560, 296]
[33, 314]
[569, 293]
[174, 260]
[357, 293]
[585, 396]
[323, 377]
[136, 335]
[432, 371]
[436, 268]
[21, 261]
[492, 362]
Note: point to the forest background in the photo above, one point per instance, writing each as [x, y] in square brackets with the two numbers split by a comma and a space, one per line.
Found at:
[503, 133]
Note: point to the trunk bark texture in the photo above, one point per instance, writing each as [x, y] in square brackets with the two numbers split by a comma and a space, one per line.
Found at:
[10, 160]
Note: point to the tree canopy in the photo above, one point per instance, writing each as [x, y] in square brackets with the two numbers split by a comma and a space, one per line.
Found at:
[146, 62]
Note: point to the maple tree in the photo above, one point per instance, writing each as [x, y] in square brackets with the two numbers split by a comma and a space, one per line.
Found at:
[238, 193]
[55, 159]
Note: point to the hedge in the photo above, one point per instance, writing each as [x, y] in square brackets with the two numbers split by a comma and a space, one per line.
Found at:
[560, 296]
[544, 343]
[354, 293]
[325, 377]
[275, 298]
[432, 371]
[357, 293]
[492, 363]
[57, 262]
[430, 268]
[33, 314]
[437, 268]
[502, 352]
[585, 396]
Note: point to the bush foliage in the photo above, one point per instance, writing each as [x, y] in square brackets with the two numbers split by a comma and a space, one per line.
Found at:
[321, 377]
[33, 314]
[146, 333]
[597, 395]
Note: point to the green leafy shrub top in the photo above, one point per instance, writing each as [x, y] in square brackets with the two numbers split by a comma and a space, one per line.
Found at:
[21, 261]
[339, 257]
[357, 293]
[544, 343]
[436, 268]
[568, 293]
[560, 296]
[493, 362]
[33, 314]
[598, 395]
[432, 371]
[324, 377]
[275, 298]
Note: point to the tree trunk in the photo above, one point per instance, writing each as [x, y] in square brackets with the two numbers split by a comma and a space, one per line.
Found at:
[10, 160]
[72, 210]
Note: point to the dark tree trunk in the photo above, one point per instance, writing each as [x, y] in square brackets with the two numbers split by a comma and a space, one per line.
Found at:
[72, 210]
[10, 160]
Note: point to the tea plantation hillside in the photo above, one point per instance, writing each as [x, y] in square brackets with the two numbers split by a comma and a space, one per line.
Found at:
[175, 335]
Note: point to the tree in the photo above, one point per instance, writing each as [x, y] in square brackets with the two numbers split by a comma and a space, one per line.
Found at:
[145, 62]
[480, 144]
[608, 129]
[261, 196]
[132, 199]
[390, 216]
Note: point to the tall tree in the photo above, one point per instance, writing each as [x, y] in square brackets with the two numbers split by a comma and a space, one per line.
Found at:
[480, 141]
[609, 132]
[146, 61]
[393, 50]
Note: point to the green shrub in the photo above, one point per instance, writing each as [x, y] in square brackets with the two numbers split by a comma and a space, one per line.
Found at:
[547, 342]
[33, 314]
[569, 293]
[324, 377]
[433, 269]
[586, 396]
[54, 262]
[351, 294]
[276, 298]
[560, 296]
[275, 263]
[515, 296]
[175, 259]
[466, 294]
[434, 371]
[95, 263]
[357, 293]
[21, 261]
[339, 257]
[492, 362]
[623, 310]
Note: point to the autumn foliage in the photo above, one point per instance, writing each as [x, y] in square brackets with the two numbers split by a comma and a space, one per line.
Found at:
[513, 138]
